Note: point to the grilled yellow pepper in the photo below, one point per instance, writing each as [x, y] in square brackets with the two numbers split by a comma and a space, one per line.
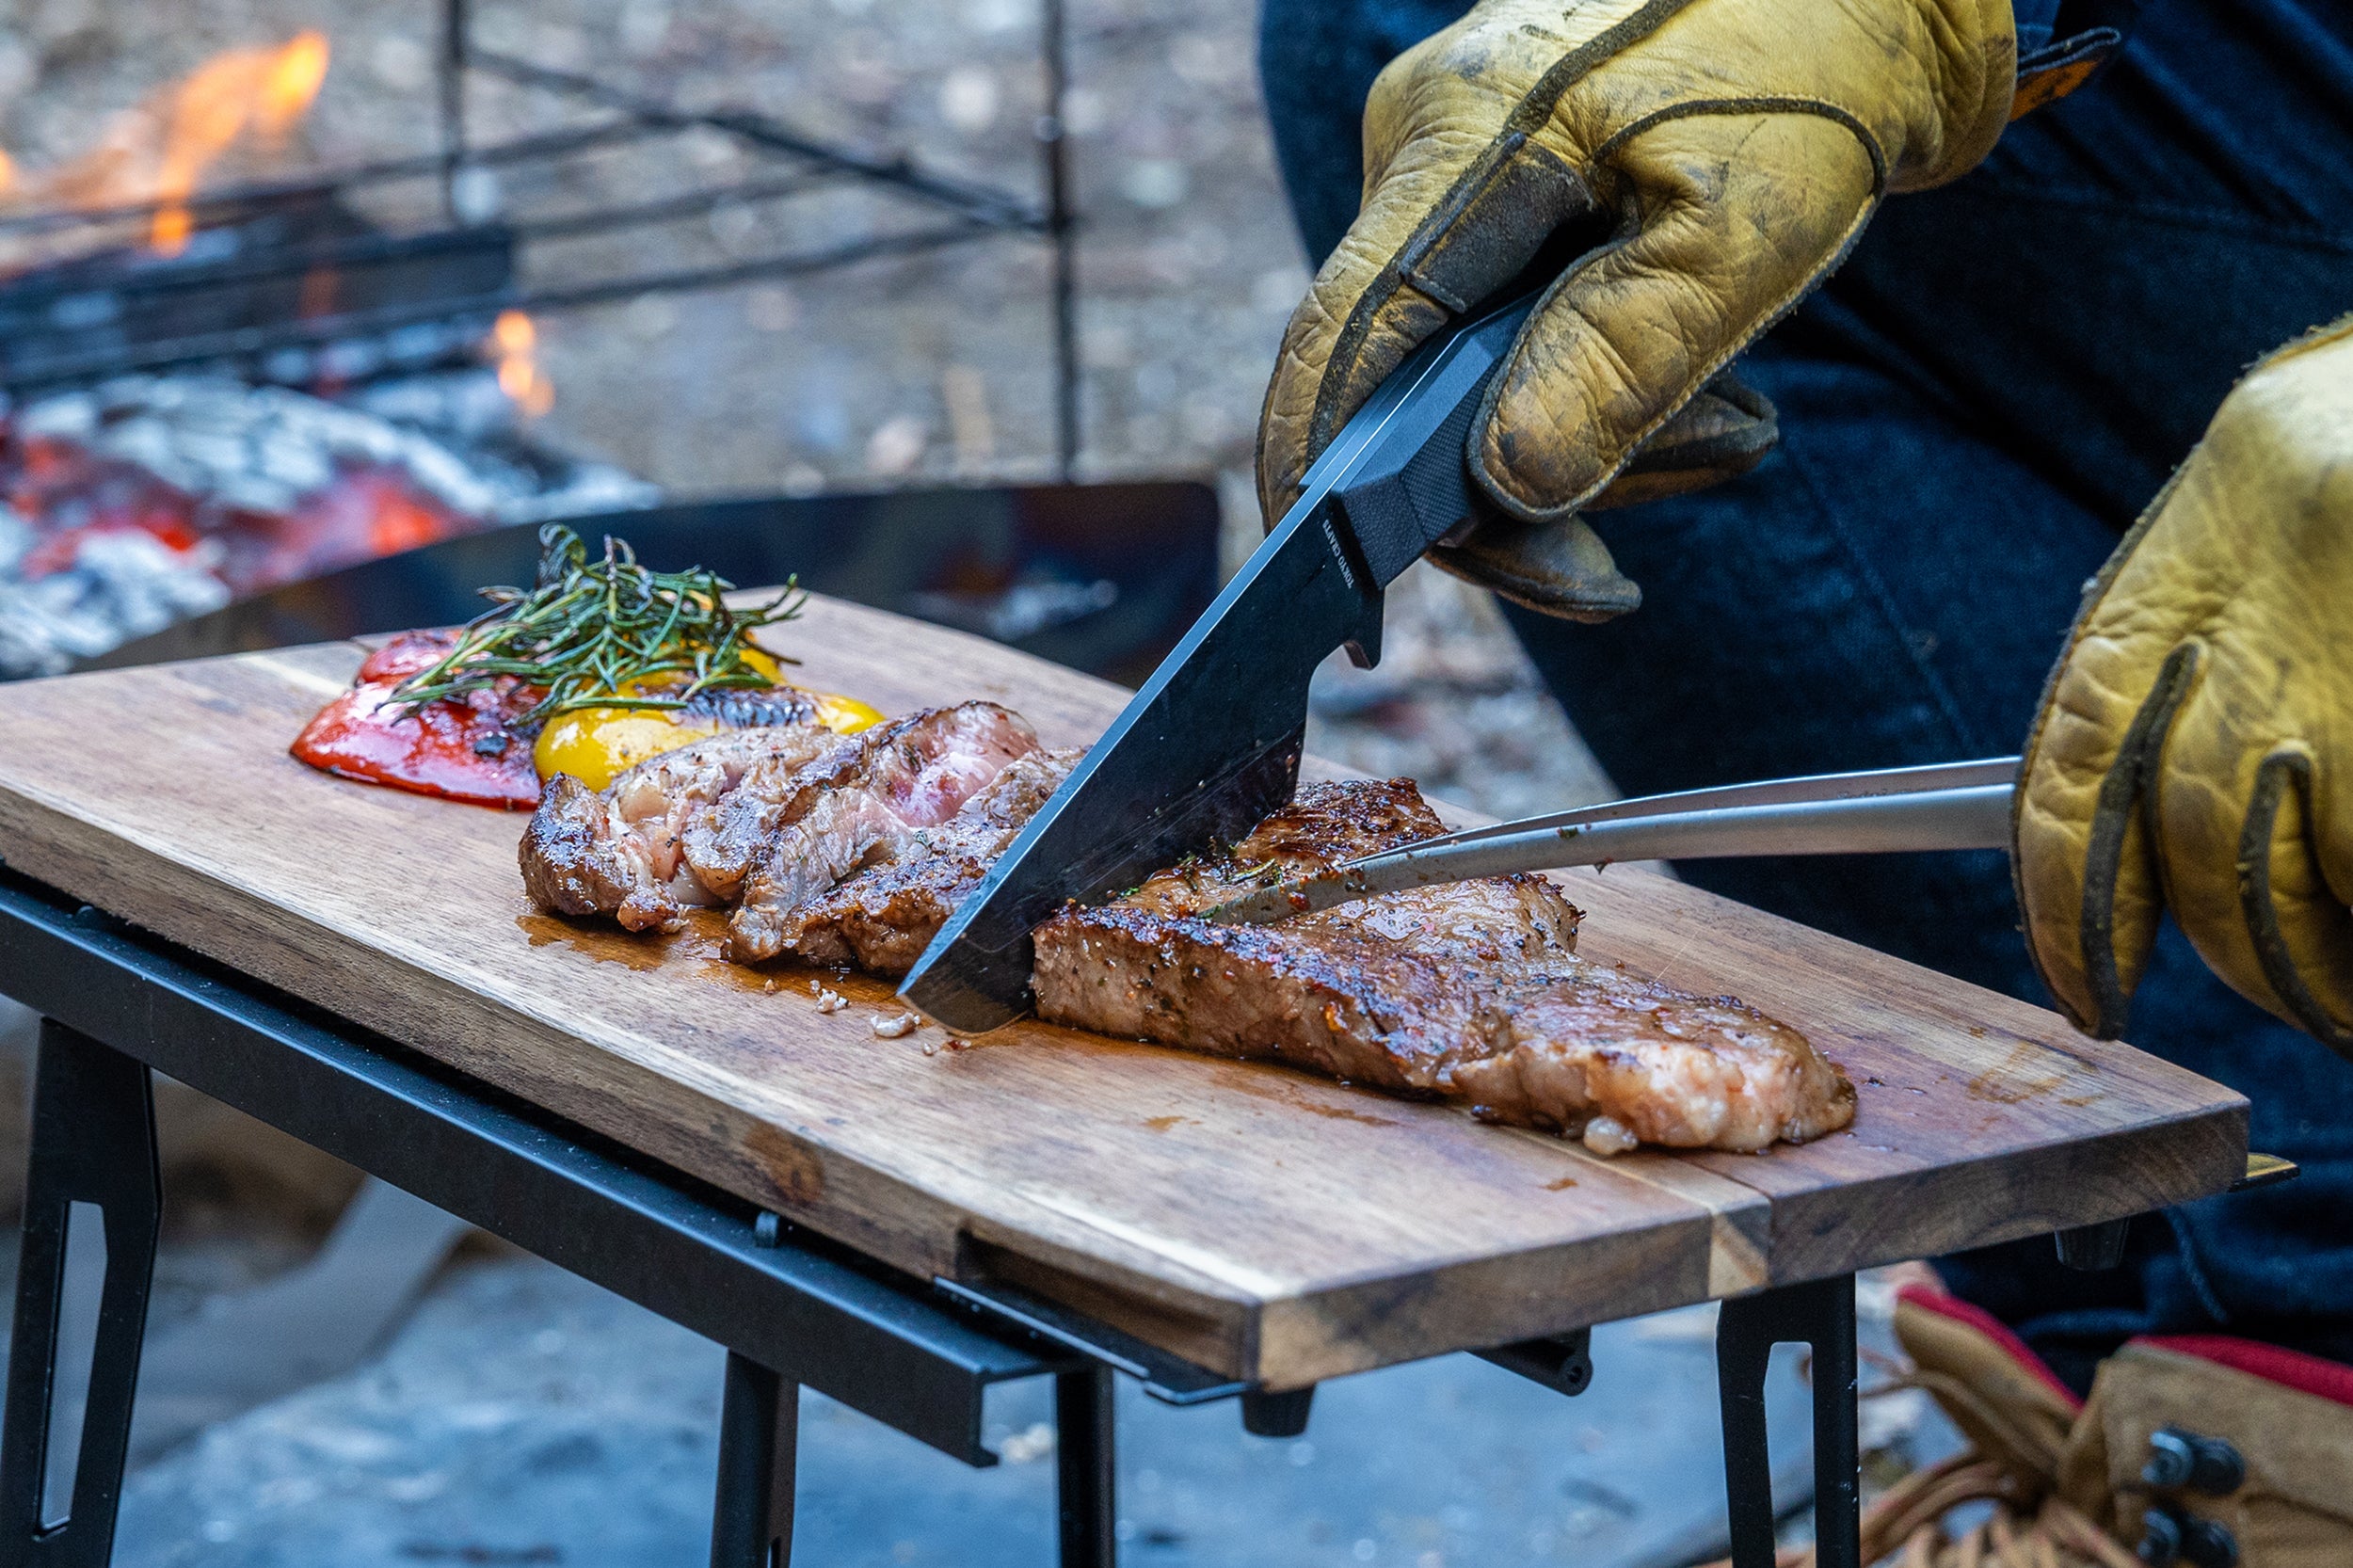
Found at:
[597, 745]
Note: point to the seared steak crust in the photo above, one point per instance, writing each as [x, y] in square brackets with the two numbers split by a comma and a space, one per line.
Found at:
[1358, 1011]
[618, 852]
[1389, 991]
[1469, 991]
[571, 863]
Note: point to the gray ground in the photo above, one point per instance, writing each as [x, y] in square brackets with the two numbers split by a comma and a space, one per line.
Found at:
[528, 1418]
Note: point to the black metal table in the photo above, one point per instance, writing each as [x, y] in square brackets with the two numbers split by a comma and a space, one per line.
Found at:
[789, 1308]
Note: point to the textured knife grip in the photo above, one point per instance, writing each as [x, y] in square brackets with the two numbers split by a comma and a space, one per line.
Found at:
[1411, 485]
[1398, 514]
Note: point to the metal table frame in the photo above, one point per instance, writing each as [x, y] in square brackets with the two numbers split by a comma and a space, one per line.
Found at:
[791, 1307]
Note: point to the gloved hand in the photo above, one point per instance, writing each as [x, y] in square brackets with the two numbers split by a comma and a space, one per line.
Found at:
[1727, 150]
[2195, 747]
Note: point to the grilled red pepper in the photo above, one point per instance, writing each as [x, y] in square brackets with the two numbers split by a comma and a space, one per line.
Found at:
[466, 751]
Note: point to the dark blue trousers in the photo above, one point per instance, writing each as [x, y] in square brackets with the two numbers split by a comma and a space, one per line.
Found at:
[1972, 411]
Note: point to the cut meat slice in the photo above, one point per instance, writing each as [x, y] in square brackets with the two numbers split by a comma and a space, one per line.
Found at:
[881, 918]
[1387, 991]
[618, 852]
[1625, 1059]
[852, 808]
[1469, 991]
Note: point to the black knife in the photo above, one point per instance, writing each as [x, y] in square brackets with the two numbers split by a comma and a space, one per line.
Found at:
[1211, 744]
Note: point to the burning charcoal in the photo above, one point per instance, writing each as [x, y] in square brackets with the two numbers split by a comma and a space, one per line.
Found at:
[119, 585]
[152, 497]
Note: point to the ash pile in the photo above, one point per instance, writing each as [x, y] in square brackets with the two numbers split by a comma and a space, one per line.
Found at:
[147, 499]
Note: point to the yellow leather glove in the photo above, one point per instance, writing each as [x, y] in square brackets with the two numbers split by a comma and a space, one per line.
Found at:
[2195, 747]
[1728, 151]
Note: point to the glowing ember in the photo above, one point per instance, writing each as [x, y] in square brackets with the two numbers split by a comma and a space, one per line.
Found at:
[160, 150]
[128, 506]
[515, 345]
[69, 495]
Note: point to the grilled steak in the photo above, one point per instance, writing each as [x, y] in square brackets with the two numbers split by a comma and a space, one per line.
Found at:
[1627, 1060]
[1379, 991]
[1470, 990]
[881, 918]
[852, 808]
[618, 851]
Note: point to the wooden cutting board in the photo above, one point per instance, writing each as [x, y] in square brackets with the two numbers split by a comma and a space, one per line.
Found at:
[1268, 1225]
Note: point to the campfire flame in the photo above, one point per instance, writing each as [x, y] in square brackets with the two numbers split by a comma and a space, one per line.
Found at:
[515, 345]
[260, 91]
[160, 150]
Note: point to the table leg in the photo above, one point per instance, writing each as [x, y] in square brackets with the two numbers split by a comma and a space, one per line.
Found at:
[2091, 1248]
[1819, 1314]
[93, 1198]
[751, 1524]
[1086, 1471]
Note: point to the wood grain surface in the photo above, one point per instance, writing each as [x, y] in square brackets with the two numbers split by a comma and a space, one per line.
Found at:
[1268, 1225]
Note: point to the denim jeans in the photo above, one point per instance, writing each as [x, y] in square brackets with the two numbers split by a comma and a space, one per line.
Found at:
[1971, 411]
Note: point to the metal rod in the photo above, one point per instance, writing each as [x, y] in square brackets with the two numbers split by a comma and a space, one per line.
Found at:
[605, 220]
[93, 1143]
[1837, 1438]
[552, 144]
[287, 261]
[1164, 1375]
[981, 201]
[1086, 1472]
[294, 260]
[1973, 818]
[2094, 1247]
[246, 342]
[1775, 792]
[1562, 1362]
[453, 84]
[1053, 134]
[751, 1517]
[1819, 1314]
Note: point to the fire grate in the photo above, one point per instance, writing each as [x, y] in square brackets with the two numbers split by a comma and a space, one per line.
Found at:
[282, 281]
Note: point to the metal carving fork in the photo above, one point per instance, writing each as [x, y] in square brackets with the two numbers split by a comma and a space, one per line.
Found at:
[1891, 811]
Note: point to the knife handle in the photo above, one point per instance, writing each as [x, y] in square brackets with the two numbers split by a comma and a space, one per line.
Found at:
[1408, 484]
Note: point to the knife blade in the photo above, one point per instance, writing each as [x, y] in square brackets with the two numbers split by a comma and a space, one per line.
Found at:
[1212, 740]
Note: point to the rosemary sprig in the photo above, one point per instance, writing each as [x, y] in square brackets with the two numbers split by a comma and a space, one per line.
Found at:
[587, 627]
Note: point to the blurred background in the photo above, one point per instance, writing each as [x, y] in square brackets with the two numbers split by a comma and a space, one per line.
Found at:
[311, 309]
[254, 324]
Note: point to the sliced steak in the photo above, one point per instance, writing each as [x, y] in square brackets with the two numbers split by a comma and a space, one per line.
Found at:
[851, 809]
[1469, 991]
[1387, 991]
[881, 918]
[1623, 1060]
[619, 851]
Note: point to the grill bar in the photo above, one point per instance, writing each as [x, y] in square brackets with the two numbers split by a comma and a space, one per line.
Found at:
[71, 324]
[251, 341]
